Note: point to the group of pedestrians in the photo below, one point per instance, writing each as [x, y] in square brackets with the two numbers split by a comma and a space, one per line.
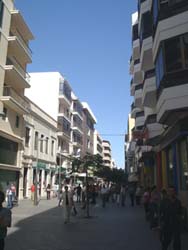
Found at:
[163, 210]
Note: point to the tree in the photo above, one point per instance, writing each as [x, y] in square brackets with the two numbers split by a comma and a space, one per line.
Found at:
[82, 165]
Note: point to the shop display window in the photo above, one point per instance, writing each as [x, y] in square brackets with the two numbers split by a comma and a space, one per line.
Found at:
[183, 153]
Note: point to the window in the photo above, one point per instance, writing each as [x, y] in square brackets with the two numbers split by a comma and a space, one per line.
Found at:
[159, 68]
[185, 49]
[146, 26]
[5, 114]
[27, 136]
[52, 148]
[46, 150]
[36, 140]
[17, 121]
[1, 12]
[155, 12]
[183, 164]
[135, 32]
[173, 54]
[42, 143]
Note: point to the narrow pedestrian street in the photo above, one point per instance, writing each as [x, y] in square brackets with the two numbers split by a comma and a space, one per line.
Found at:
[110, 228]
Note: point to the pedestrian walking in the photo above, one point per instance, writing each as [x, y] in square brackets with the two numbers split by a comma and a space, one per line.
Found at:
[67, 204]
[9, 197]
[78, 192]
[118, 191]
[154, 208]
[5, 221]
[146, 202]
[170, 220]
[132, 193]
[104, 191]
[60, 197]
[48, 191]
[32, 192]
[138, 194]
[123, 195]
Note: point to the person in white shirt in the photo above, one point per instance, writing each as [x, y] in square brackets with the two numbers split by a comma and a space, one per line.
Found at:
[67, 204]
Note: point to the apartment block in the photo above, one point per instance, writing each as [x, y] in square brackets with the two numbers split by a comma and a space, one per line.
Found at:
[107, 156]
[15, 54]
[98, 148]
[160, 89]
[75, 120]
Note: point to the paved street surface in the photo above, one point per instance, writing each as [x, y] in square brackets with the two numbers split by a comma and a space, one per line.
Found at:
[112, 228]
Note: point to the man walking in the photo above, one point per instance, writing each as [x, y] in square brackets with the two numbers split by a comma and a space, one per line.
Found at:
[67, 204]
[170, 220]
[5, 220]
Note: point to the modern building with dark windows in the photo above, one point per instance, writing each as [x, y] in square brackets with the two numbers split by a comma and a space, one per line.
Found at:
[159, 68]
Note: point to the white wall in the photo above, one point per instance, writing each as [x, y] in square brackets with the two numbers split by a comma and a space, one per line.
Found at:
[44, 91]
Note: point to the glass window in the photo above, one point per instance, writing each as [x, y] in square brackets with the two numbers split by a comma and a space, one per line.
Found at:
[173, 57]
[17, 121]
[5, 114]
[27, 136]
[155, 11]
[46, 150]
[36, 140]
[159, 68]
[41, 143]
[1, 12]
[183, 165]
[170, 170]
[52, 148]
[185, 51]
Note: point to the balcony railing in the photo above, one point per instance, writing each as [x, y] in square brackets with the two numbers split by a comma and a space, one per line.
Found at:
[19, 68]
[139, 86]
[8, 91]
[139, 114]
[148, 74]
[171, 8]
[22, 42]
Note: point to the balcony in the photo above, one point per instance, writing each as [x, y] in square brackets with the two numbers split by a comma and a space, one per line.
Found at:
[132, 85]
[65, 134]
[138, 74]
[134, 110]
[19, 48]
[172, 104]
[19, 23]
[146, 57]
[136, 49]
[76, 113]
[77, 127]
[139, 119]
[14, 101]
[138, 95]
[144, 6]
[15, 75]
[149, 89]
[166, 29]
[135, 42]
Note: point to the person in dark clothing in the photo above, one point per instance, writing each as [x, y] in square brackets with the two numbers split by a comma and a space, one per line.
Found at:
[132, 190]
[79, 191]
[170, 220]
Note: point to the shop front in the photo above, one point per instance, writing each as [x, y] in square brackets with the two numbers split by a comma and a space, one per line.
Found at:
[8, 177]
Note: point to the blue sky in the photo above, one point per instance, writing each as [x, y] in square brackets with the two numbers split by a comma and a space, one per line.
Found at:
[89, 42]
